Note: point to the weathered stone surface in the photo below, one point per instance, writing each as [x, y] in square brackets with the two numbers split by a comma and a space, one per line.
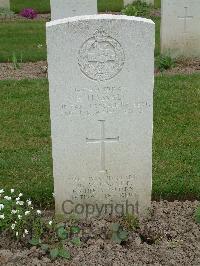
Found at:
[70, 8]
[101, 97]
[180, 28]
[5, 4]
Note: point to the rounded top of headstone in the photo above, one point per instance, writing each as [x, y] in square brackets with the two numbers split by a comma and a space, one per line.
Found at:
[98, 17]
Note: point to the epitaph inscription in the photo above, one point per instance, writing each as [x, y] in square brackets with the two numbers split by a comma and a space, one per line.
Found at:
[124, 187]
[101, 57]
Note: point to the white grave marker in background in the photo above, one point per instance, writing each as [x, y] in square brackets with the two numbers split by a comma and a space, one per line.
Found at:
[5, 4]
[180, 28]
[70, 8]
[101, 101]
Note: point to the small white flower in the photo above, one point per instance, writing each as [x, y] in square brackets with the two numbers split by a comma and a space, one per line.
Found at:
[26, 231]
[14, 211]
[7, 198]
[17, 233]
[38, 212]
[27, 212]
[20, 194]
[54, 194]
[50, 222]
[1, 191]
[17, 199]
[1, 206]
[12, 190]
[23, 235]
[2, 216]
[19, 217]
[29, 202]
[13, 226]
[21, 203]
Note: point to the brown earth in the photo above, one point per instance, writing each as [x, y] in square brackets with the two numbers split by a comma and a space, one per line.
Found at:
[39, 69]
[183, 66]
[25, 71]
[168, 236]
[45, 17]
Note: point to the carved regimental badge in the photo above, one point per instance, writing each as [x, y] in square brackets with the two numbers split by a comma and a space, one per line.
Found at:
[101, 57]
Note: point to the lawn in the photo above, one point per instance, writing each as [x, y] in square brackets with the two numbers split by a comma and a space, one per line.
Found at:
[110, 5]
[25, 146]
[24, 39]
[27, 40]
[43, 6]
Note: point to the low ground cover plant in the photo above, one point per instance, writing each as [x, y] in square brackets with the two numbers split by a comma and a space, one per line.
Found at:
[164, 62]
[29, 13]
[197, 215]
[22, 222]
[6, 13]
[26, 224]
[138, 9]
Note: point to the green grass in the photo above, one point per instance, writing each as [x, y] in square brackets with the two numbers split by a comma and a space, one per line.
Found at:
[25, 147]
[157, 21]
[110, 5]
[42, 6]
[176, 137]
[22, 38]
[157, 3]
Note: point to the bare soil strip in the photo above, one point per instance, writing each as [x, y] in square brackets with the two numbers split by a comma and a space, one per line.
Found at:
[168, 236]
[39, 69]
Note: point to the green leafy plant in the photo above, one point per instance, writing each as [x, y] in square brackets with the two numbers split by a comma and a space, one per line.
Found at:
[19, 219]
[164, 62]
[197, 215]
[131, 221]
[138, 9]
[15, 61]
[6, 13]
[118, 234]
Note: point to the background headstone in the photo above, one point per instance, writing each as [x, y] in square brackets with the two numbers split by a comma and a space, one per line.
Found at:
[127, 2]
[101, 101]
[5, 4]
[180, 28]
[70, 8]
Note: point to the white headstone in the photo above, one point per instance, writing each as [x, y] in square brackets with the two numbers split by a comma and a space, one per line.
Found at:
[180, 28]
[127, 2]
[5, 4]
[70, 8]
[101, 101]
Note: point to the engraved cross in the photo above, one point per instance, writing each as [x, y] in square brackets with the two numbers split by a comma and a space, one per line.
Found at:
[185, 19]
[102, 141]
